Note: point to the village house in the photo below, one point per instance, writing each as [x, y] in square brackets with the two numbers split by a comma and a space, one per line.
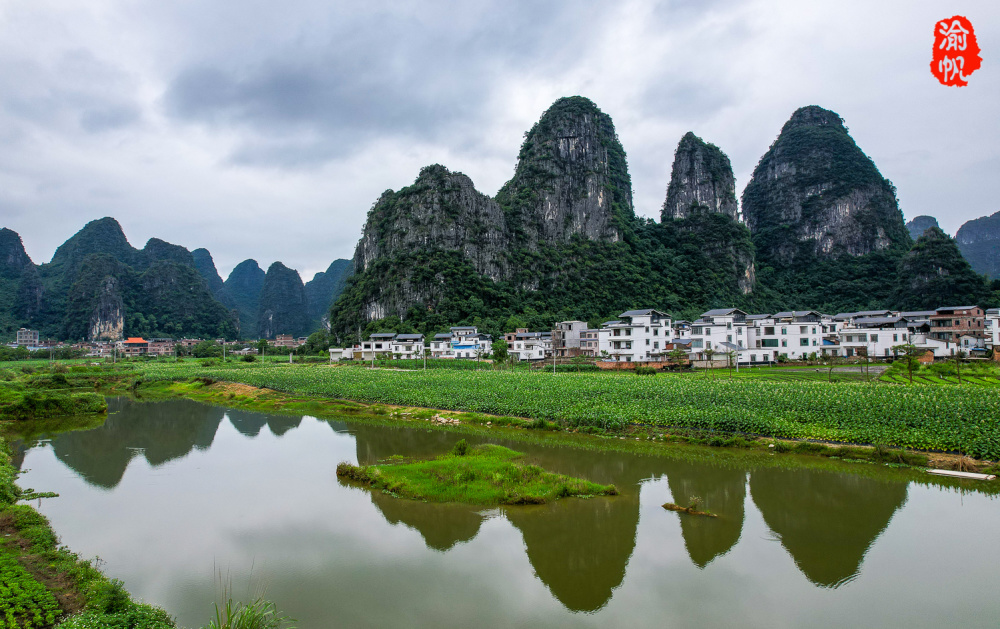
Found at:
[875, 337]
[721, 331]
[27, 338]
[951, 323]
[441, 346]
[525, 345]
[133, 346]
[566, 338]
[636, 336]
[160, 347]
[378, 345]
[338, 354]
[287, 341]
[407, 346]
[992, 332]
[589, 342]
[797, 334]
[468, 342]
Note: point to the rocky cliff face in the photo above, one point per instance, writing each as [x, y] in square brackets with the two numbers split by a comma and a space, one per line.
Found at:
[571, 182]
[13, 258]
[701, 181]
[571, 178]
[815, 191]
[979, 241]
[441, 210]
[21, 289]
[283, 305]
[920, 224]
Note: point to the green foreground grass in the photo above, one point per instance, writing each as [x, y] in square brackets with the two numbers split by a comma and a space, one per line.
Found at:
[486, 475]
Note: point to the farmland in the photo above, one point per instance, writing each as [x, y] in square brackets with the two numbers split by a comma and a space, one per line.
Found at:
[963, 418]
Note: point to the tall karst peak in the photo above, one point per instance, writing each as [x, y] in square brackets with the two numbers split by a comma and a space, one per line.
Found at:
[816, 193]
[205, 266]
[571, 177]
[13, 258]
[157, 250]
[283, 307]
[103, 235]
[701, 181]
[441, 210]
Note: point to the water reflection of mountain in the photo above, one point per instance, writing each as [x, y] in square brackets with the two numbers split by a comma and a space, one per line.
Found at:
[826, 522]
[250, 424]
[723, 492]
[161, 431]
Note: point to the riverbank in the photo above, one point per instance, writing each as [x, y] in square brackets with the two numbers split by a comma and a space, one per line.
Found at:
[45, 584]
[632, 437]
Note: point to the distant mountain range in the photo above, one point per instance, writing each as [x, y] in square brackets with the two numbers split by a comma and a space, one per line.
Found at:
[97, 286]
[818, 227]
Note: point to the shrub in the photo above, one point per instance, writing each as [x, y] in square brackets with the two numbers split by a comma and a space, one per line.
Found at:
[645, 371]
[461, 448]
[248, 358]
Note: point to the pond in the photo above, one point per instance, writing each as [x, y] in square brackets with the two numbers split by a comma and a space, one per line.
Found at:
[171, 494]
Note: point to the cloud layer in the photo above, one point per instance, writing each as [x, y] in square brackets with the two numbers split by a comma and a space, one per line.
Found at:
[263, 130]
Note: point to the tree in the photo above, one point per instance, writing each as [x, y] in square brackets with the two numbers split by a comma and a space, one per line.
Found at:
[910, 355]
[677, 356]
[262, 346]
[960, 355]
[732, 356]
[831, 361]
[207, 349]
[500, 352]
[317, 343]
[709, 352]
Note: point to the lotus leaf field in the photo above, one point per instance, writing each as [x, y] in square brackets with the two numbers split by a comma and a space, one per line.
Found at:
[958, 418]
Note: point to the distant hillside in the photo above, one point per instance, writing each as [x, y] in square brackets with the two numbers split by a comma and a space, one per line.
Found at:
[921, 224]
[979, 241]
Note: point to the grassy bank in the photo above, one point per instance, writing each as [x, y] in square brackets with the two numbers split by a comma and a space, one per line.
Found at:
[955, 418]
[487, 475]
[24, 400]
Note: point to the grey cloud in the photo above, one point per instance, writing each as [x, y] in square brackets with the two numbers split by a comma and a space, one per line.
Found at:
[375, 76]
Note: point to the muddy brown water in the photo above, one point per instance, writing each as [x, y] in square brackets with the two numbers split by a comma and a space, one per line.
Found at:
[170, 494]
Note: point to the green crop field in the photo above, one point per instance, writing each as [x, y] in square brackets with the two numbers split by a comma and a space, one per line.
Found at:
[958, 418]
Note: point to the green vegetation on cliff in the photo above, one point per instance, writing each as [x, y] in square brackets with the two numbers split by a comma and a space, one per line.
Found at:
[934, 273]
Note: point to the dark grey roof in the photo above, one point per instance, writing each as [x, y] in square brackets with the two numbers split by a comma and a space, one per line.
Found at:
[993, 311]
[735, 348]
[842, 316]
[409, 337]
[463, 327]
[796, 313]
[382, 335]
[878, 320]
[642, 313]
[442, 336]
[611, 322]
[719, 312]
[918, 314]
[956, 308]
[681, 341]
[755, 317]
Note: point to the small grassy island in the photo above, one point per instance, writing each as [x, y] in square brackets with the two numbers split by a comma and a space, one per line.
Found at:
[486, 475]
[44, 396]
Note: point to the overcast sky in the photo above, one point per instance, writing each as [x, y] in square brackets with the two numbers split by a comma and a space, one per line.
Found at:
[263, 129]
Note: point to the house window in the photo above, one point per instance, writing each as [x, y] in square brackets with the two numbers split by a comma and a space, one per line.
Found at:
[628, 332]
[803, 329]
[729, 326]
[874, 338]
[753, 358]
[784, 330]
[739, 331]
[656, 345]
[895, 337]
[647, 329]
[656, 332]
[803, 342]
[647, 342]
[784, 342]
[729, 338]
[769, 331]
[814, 330]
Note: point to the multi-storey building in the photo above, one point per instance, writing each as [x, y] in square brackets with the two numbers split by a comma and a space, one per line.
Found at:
[526, 345]
[468, 342]
[720, 331]
[953, 322]
[27, 338]
[637, 335]
[993, 332]
[407, 346]
[566, 338]
[797, 334]
[160, 347]
[589, 342]
[133, 346]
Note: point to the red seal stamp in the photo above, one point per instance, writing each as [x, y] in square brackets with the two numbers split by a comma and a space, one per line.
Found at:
[956, 52]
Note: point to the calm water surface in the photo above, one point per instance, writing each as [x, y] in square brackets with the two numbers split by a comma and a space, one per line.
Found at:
[168, 493]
